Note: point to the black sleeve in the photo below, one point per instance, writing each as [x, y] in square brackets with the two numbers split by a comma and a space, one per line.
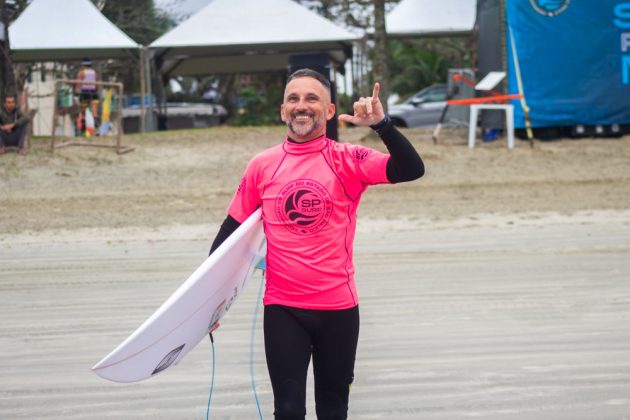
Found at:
[404, 164]
[227, 228]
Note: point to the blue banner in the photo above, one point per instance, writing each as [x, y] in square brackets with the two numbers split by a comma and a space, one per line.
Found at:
[574, 59]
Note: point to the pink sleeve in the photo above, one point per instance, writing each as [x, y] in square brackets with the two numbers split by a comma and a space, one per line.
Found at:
[370, 165]
[246, 199]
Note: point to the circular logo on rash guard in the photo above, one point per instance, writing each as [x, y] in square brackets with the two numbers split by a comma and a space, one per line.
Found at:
[550, 7]
[304, 206]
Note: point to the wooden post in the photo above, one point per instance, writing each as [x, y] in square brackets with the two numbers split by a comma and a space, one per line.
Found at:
[54, 116]
[119, 118]
[94, 143]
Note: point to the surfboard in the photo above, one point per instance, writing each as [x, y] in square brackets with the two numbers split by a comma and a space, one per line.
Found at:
[192, 311]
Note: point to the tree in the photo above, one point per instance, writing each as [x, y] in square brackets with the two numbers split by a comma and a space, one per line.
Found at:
[144, 23]
[9, 11]
[139, 19]
[381, 65]
[358, 16]
[354, 15]
[416, 64]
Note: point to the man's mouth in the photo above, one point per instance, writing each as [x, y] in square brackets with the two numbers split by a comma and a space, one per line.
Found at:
[302, 117]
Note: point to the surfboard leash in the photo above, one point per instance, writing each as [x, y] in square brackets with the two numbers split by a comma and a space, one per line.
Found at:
[212, 377]
[262, 267]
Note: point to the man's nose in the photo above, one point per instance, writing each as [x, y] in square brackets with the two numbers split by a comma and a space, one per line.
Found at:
[301, 104]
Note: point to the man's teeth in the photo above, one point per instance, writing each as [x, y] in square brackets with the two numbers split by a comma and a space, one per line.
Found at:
[302, 117]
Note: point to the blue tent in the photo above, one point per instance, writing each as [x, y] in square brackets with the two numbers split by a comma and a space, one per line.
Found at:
[574, 61]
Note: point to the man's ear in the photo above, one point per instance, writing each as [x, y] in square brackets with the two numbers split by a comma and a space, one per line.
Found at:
[330, 111]
[282, 113]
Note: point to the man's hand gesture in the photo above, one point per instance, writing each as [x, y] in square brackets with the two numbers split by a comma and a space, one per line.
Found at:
[367, 111]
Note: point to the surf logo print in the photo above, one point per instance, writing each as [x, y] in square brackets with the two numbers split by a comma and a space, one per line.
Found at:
[242, 186]
[168, 360]
[360, 154]
[304, 206]
[550, 7]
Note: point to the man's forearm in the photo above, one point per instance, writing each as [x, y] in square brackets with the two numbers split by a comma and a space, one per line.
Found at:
[405, 164]
[228, 227]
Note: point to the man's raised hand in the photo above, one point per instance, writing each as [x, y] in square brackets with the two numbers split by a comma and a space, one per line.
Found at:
[367, 111]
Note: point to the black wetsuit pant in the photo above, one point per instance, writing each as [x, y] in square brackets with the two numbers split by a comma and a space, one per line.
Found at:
[292, 336]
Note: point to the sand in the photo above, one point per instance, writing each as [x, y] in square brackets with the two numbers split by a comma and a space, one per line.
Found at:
[497, 287]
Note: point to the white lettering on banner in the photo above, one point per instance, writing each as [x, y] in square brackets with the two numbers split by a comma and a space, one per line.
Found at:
[622, 13]
[622, 21]
[625, 66]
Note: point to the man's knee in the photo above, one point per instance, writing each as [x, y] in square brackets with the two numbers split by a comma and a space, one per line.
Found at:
[330, 406]
[290, 402]
[13, 138]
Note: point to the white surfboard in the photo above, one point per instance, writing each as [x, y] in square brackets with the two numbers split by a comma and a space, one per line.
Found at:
[191, 312]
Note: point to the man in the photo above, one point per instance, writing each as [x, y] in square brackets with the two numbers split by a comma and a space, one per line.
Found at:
[309, 189]
[12, 126]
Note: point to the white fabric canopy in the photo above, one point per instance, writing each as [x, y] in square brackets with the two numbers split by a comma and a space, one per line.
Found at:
[57, 30]
[248, 35]
[431, 18]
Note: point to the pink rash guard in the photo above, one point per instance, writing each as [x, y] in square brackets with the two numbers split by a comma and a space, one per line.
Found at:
[309, 193]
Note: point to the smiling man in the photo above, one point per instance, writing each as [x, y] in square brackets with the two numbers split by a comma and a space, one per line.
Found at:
[309, 189]
[306, 108]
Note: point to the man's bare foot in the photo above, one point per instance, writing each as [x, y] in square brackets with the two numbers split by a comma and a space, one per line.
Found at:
[22, 151]
[2, 150]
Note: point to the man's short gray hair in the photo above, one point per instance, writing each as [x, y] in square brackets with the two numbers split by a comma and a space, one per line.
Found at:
[310, 73]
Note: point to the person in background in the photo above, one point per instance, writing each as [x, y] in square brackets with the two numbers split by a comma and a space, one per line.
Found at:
[13, 124]
[87, 91]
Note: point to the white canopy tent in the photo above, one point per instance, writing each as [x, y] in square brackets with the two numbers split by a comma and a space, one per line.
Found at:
[417, 18]
[63, 30]
[248, 36]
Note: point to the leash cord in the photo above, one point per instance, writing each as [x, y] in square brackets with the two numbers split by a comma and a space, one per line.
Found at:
[251, 354]
[212, 378]
[251, 344]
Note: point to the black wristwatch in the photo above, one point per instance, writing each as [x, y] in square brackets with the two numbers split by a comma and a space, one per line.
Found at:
[381, 124]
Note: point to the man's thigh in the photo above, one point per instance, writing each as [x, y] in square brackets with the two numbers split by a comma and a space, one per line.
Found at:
[287, 349]
[334, 353]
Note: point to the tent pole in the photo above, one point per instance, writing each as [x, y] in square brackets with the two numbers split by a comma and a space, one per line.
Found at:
[143, 111]
[148, 56]
[519, 82]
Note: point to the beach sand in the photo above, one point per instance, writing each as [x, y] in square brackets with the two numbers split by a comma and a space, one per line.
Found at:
[496, 287]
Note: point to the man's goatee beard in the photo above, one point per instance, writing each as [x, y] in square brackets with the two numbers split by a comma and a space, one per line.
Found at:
[304, 131]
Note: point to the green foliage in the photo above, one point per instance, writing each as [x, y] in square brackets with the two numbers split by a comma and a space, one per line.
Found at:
[139, 19]
[351, 14]
[144, 23]
[258, 104]
[417, 64]
[9, 11]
